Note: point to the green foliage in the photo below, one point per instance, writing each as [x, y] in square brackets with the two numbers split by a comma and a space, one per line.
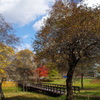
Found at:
[53, 71]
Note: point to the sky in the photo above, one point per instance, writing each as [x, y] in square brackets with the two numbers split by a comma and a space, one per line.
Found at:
[27, 17]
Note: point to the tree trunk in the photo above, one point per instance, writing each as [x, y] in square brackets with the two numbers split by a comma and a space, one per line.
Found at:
[82, 86]
[1, 92]
[23, 86]
[72, 64]
[69, 83]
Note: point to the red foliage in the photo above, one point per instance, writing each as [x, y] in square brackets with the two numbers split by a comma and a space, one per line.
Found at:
[42, 71]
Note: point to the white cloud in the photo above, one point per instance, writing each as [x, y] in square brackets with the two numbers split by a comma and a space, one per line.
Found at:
[19, 48]
[25, 36]
[38, 24]
[23, 11]
[91, 3]
[23, 47]
[27, 46]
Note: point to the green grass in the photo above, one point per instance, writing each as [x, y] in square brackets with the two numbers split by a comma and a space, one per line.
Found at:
[28, 96]
[37, 96]
[58, 81]
[91, 89]
[11, 89]
[87, 84]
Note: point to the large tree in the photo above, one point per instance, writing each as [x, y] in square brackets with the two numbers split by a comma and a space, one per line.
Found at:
[22, 66]
[5, 55]
[7, 35]
[7, 39]
[71, 33]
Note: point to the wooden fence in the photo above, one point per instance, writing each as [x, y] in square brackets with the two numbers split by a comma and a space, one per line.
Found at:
[54, 88]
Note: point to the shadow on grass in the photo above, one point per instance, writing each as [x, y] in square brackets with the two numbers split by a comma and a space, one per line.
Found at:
[86, 98]
[30, 98]
[50, 98]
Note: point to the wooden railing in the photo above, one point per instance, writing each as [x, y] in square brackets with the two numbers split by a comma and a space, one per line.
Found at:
[54, 88]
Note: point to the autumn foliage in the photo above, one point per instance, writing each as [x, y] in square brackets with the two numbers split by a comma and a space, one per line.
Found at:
[42, 71]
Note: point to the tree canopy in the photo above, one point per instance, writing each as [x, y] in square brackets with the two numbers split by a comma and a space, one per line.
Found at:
[7, 35]
[71, 33]
[20, 69]
[7, 39]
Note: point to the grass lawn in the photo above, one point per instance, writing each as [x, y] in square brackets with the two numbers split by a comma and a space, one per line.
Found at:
[58, 81]
[19, 95]
[90, 87]
[27, 96]
[91, 92]
[37, 96]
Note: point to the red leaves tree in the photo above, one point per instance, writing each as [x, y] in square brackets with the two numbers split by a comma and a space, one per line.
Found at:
[42, 71]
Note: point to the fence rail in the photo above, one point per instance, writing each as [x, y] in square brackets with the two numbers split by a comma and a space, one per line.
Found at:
[54, 88]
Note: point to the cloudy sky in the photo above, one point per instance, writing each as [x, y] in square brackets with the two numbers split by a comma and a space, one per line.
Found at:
[27, 16]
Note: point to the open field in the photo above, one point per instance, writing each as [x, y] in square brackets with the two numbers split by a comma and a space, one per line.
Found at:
[18, 95]
[90, 92]
[91, 86]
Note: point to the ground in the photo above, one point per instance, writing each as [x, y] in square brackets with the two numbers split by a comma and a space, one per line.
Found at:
[90, 92]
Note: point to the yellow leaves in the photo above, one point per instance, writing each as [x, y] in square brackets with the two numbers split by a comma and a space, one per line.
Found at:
[24, 58]
[9, 84]
[5, 53]
[1, 71]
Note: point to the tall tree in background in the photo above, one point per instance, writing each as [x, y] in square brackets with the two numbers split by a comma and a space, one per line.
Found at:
[84, 67]
[20, 70]
[70, 34]
[6, 33]
[7, 39]
[6, 54]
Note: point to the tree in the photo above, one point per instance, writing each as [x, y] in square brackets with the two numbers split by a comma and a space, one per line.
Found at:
[53, 71]
[70, 34]
[6, 33]
[83, 68]
[42, 71]
[5, 54]
[7, 39]
[20, 69]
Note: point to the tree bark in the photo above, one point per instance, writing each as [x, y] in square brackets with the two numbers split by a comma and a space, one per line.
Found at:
[1, 92]
[82, 86]
[69, 83]
[72, 64]
[23, 86]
